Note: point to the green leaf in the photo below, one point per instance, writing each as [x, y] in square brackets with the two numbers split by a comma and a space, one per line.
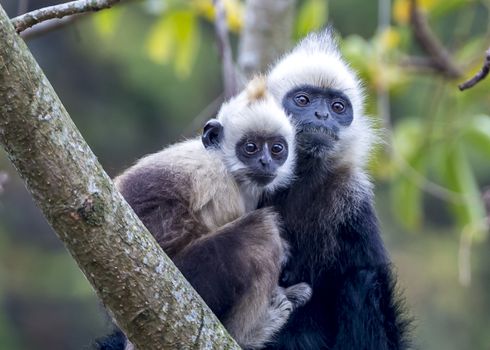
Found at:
[408, 137]
[442, 8]
[360, 54]
[312, 16]
[477, 135]
[411, 160]
[407, 195]
[106, 21]
[473, 48]
[459, 177]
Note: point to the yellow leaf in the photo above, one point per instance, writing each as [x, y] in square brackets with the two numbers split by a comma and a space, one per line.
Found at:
[105, 22]
[401, 11]
[188, 40]
[204, 8]
[234, 14]
[161, 40]
[427, 5]
[390, 38]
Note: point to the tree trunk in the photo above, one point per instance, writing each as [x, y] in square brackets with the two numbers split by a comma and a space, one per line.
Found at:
[148, 297]
[266, 33]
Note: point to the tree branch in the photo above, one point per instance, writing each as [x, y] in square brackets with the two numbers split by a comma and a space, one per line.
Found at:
[224, 47]
[266, 33]
[482, 73]
[430, 43]
[148, 297]
[49, 26]
[30, 19]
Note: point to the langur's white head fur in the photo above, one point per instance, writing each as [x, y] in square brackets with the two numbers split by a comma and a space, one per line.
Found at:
[255, 111]
[316, 61]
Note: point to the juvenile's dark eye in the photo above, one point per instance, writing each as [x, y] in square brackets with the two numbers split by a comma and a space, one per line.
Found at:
[277, 148]
[338, 107]
[301, 100]
[251, 148]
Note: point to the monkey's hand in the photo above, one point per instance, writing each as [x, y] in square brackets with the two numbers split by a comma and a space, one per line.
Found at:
[298, 294]
[283, 302]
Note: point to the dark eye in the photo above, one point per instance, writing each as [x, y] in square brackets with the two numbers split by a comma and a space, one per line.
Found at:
[277, 148]
[338, 107]
[251, 148]
[301, 100]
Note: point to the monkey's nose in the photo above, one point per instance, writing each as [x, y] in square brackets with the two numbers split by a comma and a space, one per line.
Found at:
[265, 161]
[321, 115]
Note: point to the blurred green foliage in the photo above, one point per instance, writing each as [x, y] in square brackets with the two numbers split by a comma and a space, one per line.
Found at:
[137, 77]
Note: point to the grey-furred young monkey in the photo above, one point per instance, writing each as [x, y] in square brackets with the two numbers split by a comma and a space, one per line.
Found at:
[199, 199]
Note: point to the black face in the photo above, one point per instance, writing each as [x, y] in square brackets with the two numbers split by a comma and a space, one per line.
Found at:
[262, 155]
[320, 114]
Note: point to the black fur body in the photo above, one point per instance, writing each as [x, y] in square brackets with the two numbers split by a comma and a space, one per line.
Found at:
[328, 211]
[337, 249]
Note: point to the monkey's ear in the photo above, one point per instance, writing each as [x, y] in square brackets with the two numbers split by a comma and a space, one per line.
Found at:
[212, 133]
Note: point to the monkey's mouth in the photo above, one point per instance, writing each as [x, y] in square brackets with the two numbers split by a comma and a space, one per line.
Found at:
[307, 131]
[258, 178]
[262, 179]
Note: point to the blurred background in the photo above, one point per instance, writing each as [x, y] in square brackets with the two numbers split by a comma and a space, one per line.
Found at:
[142, 75]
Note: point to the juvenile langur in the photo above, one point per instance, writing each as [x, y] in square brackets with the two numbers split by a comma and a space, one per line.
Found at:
[328, 214]
[199, 199]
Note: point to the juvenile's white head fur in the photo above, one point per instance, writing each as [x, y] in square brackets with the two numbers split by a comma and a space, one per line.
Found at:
[316, 61]
[255, 111]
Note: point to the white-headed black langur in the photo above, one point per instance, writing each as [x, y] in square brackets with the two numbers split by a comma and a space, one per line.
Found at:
[328, 214]
[199, 197]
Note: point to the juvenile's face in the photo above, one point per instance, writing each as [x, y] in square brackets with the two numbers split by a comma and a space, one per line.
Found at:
[263, 156]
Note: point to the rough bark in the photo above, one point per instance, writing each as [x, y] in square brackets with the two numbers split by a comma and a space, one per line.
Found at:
[266, 33]
[147, 295]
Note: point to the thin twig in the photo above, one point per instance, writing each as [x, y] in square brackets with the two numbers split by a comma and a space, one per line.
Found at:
[49, 26]
[430, 43]
[482, 73]
[224, 47]
[30, 19]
